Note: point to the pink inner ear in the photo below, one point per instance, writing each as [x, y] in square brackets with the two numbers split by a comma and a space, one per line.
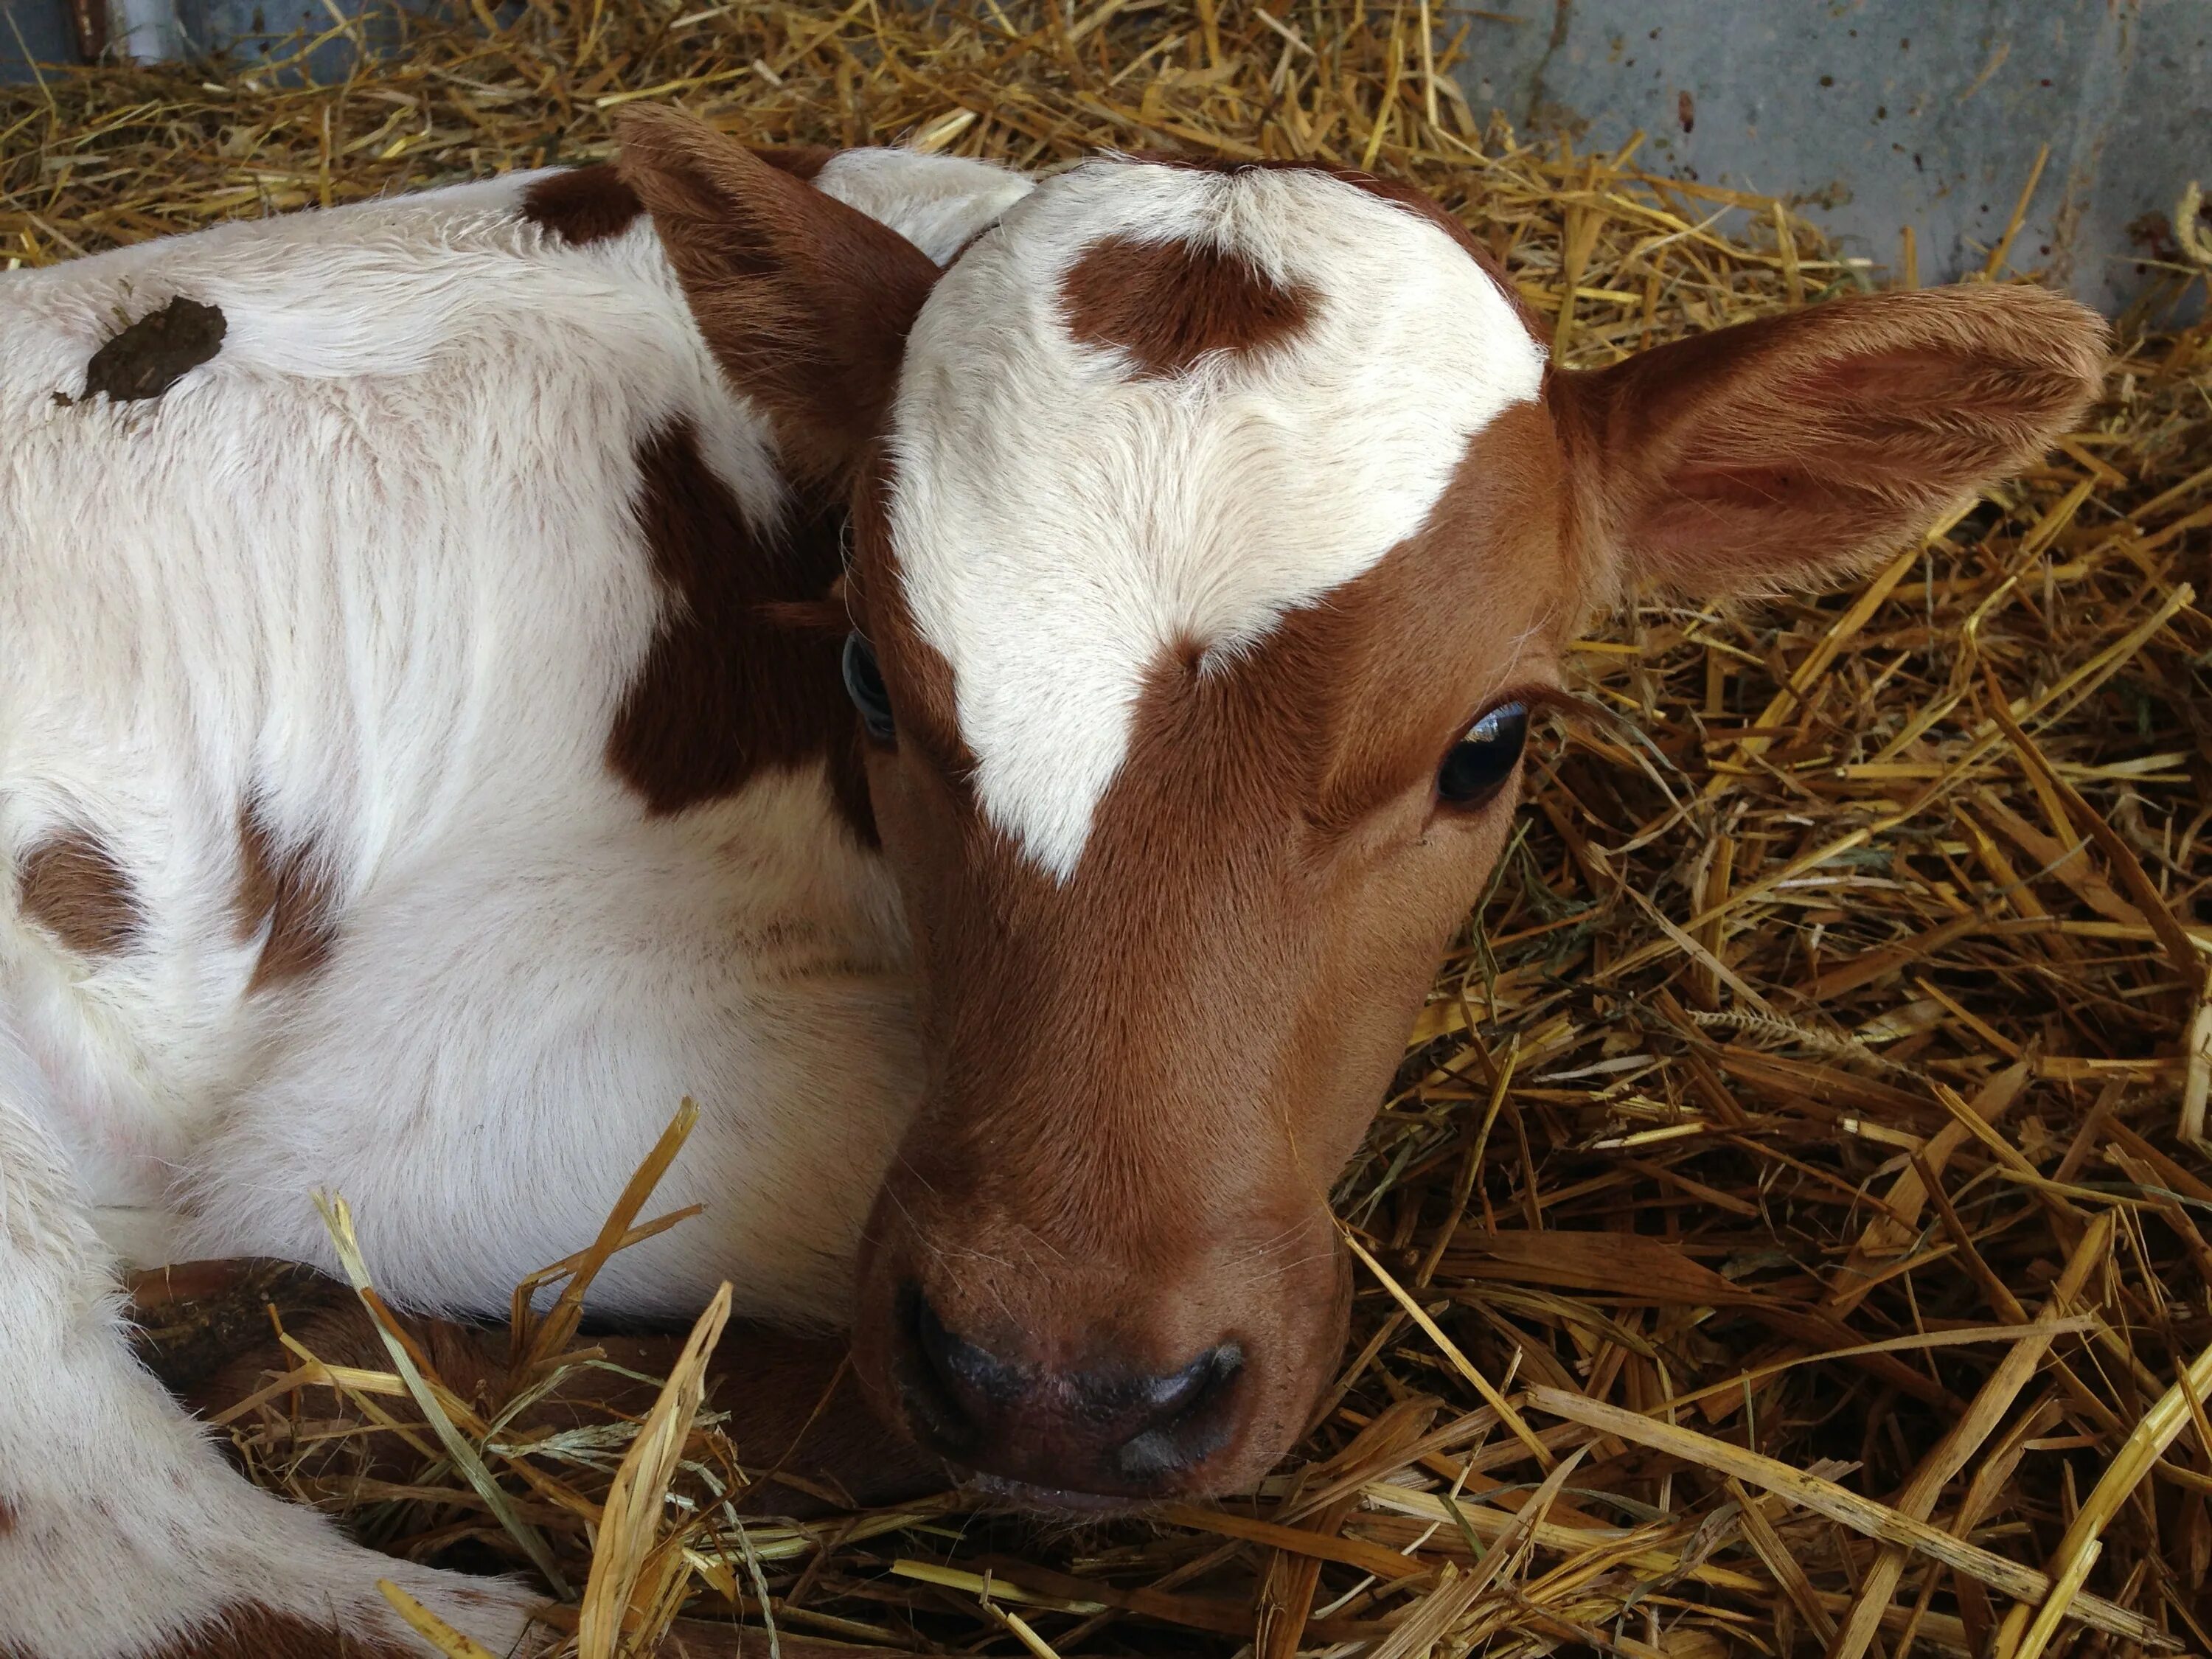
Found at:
[1890, 374]
[1883, 396]
[1810, 443]
[1744, 529]
[1715, 489]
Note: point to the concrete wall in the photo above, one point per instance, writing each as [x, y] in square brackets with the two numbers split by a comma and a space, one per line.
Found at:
[33, 31]
[1873, 113]
[1880, 114]
[155, 29]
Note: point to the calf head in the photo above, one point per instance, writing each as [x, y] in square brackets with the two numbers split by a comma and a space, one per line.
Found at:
[1215, 532]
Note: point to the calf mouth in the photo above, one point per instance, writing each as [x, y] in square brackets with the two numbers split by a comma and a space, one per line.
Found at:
[1055, 1503]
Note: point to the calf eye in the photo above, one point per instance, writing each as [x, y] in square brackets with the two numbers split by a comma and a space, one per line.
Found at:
[864, 684]
[1481, 761]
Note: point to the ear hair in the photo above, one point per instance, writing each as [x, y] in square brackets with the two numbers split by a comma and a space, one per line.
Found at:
[804, 301]
[1777, 452]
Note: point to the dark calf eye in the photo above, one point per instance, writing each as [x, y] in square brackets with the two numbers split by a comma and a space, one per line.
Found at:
[864, 684]
[1480, 762]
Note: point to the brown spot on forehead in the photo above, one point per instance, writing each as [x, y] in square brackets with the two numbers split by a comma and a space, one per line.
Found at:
[1168, 304]
[71, 885]
[1413, 200]
[151, 355]
[730, 687]
[288, 887]
[7, 1517]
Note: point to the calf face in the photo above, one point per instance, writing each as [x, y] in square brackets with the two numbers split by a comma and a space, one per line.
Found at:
[1215, 534]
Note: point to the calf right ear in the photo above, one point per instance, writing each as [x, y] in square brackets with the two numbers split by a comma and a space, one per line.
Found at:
[1779, 452]
[804, 301]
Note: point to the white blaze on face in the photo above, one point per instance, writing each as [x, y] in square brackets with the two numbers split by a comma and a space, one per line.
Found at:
[1061, 520]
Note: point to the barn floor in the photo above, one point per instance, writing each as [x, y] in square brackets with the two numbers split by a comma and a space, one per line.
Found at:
[1789, 1229]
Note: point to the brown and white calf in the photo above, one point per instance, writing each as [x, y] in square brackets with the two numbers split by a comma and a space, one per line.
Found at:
[431, 745]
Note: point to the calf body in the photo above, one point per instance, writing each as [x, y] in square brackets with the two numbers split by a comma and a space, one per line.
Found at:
[423, 760]
[403, 794]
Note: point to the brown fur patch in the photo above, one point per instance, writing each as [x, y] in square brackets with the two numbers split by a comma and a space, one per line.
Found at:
[1414, 200]
[189, 1320]
[790, 1395]
[588, 204]
[729, 688]
[7, 1517]
[151, 355]
[1170, 304]
[72, 886]
[288, 887]
[581, 206]
[249, 1632]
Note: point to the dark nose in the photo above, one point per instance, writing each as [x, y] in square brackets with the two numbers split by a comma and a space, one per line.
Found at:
[1115, 1432]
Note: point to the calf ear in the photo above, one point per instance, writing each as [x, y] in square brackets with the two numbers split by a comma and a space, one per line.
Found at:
[804, 302]
[1774, 453]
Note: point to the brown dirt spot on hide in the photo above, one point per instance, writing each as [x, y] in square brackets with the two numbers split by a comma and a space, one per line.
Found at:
[151, 355]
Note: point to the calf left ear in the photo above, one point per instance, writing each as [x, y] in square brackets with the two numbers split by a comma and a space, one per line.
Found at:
[1776, 452]
[804, 301]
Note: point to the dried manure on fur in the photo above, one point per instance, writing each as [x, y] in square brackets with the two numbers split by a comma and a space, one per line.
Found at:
[1789, 1229]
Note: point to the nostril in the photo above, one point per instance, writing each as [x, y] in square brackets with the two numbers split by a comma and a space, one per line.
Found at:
[1170, 1396]
[962, 1366]
[951, 1386]
[935, 1412]
[1106, 1430]
[1192, 1415]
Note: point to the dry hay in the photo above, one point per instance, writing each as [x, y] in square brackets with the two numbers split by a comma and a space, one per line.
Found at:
[1806, 1138]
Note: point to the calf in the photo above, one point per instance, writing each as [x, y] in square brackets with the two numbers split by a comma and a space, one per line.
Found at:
[1000, 691]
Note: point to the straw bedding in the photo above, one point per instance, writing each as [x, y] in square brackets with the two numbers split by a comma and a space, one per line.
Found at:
[1788, 1231]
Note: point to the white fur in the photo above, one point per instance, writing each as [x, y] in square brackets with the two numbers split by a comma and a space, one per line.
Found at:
[1060, 522]
[375, 567]
[130, 1531]
[937, 202]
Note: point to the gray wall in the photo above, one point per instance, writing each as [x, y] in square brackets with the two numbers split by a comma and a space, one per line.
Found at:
[33, 30]
[1880, 113]
[188, 28]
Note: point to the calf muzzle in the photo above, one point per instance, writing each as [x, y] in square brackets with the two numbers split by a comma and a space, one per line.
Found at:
[1107, 1431]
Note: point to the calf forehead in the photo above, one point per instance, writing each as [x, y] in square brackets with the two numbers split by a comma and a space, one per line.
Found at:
[1156, 410]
